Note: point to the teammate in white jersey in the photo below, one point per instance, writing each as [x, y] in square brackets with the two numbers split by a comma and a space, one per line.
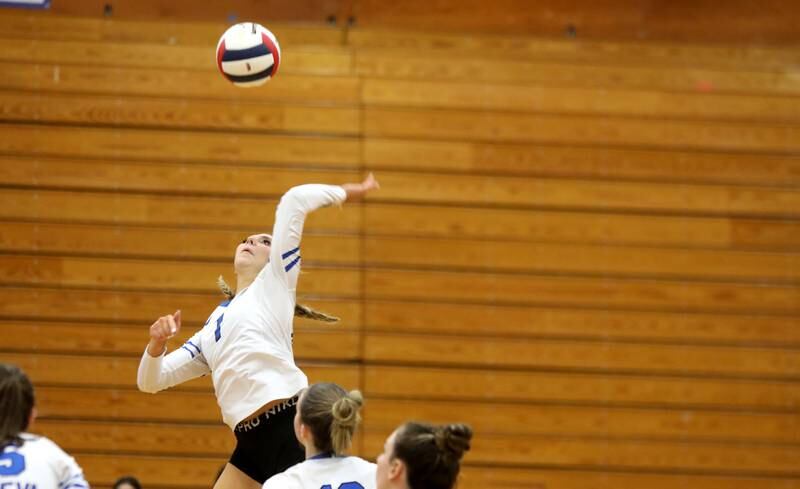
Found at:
[423, 456]
[246, 343]
[29, 461]
[327, 417]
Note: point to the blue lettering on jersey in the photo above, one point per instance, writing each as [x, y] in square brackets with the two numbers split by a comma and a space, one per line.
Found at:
[11, 463]
[344, 485]
[218, 331]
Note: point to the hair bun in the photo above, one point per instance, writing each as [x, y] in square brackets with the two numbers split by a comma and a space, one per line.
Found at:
[453, 439]
[345, 410]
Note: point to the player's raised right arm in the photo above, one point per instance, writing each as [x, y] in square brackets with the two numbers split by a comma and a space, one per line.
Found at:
[158, 371]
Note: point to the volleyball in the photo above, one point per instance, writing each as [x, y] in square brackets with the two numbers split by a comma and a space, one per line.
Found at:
[248, 54]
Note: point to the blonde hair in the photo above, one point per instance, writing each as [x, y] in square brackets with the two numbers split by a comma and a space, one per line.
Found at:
[332, 414]
[300, 310]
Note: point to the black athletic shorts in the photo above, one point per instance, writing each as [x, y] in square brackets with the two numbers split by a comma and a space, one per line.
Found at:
[266, 445]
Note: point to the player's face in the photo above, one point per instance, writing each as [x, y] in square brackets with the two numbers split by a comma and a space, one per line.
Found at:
[253, 252]
[385, 461]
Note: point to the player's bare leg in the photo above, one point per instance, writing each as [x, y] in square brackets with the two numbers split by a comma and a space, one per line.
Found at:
[233, 478]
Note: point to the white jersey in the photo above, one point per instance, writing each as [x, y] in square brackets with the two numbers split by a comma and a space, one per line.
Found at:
[326, 473]
[39, 464]
[246, 343]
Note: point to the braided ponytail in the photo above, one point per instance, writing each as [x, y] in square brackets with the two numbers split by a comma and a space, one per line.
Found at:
[300, 310]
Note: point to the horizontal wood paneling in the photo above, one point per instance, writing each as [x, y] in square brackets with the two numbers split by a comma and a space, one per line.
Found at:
[487, 418]
[633, 455]
[27, 25]
[608, 261]
[600, 163]
[600, 292]
[188, 84]
[314, 59]
[324, 342]
[590, 73]
[157, 177]
[488, 352]
[539, 322]
[578, 388]
[508, 127]
[140, 307]
[519, 478]
[152, 274]
[582, 227]
[641, 54]
[251, 214]
[587, 250]
[739, 22]
[175, 146]
[603, 101]
[174, 113]
[168, 243]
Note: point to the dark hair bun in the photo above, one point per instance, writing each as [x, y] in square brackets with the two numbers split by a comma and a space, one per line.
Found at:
[453, 439]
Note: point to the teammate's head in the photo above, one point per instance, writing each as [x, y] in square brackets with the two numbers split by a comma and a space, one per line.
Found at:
[419, 455]
[127, 482]
[16, 403]
[327, 417]
[252, 254]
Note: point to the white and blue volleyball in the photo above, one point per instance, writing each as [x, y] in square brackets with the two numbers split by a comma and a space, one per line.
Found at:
[248, 54]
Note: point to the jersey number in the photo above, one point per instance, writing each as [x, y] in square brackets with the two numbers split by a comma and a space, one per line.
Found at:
[12, 463]
[218, 331]
[344, 485]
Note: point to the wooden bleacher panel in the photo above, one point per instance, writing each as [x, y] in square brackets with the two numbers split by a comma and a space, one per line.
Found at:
[174, 146]
[440, 65]
[583, 227]
[606, 101]
[637, 455]
[595, 292]
[587, 250]
[137, 111]
[152, 177]
[587, 421]
[588, 194]
[539, 322]
[396, 42]
[584, 356]
[616, 390]
[104, 273]
[142, 307]
[305, 60]
[168, 243]
[332, 343]
[608, 261]
[191, 84]
[475, 477]
[162, 208]
[25, 25]
[575, 161]
[509, 127]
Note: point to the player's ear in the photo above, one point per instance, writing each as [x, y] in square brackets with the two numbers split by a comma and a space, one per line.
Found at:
[33, 415]
[397, 470]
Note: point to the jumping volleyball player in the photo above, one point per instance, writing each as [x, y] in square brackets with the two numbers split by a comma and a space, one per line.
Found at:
[26, 460]
[326, 420]
[246, 344]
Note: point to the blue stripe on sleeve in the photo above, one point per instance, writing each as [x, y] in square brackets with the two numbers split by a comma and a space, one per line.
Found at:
[190, 351]
[290, 253]
[291, 265]
[76, 485]
[197, 347]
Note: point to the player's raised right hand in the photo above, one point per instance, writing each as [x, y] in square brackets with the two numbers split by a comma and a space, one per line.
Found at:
[162, 330]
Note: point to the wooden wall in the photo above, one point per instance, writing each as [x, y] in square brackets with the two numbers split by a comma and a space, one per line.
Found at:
[588, 251]
[773, 22]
